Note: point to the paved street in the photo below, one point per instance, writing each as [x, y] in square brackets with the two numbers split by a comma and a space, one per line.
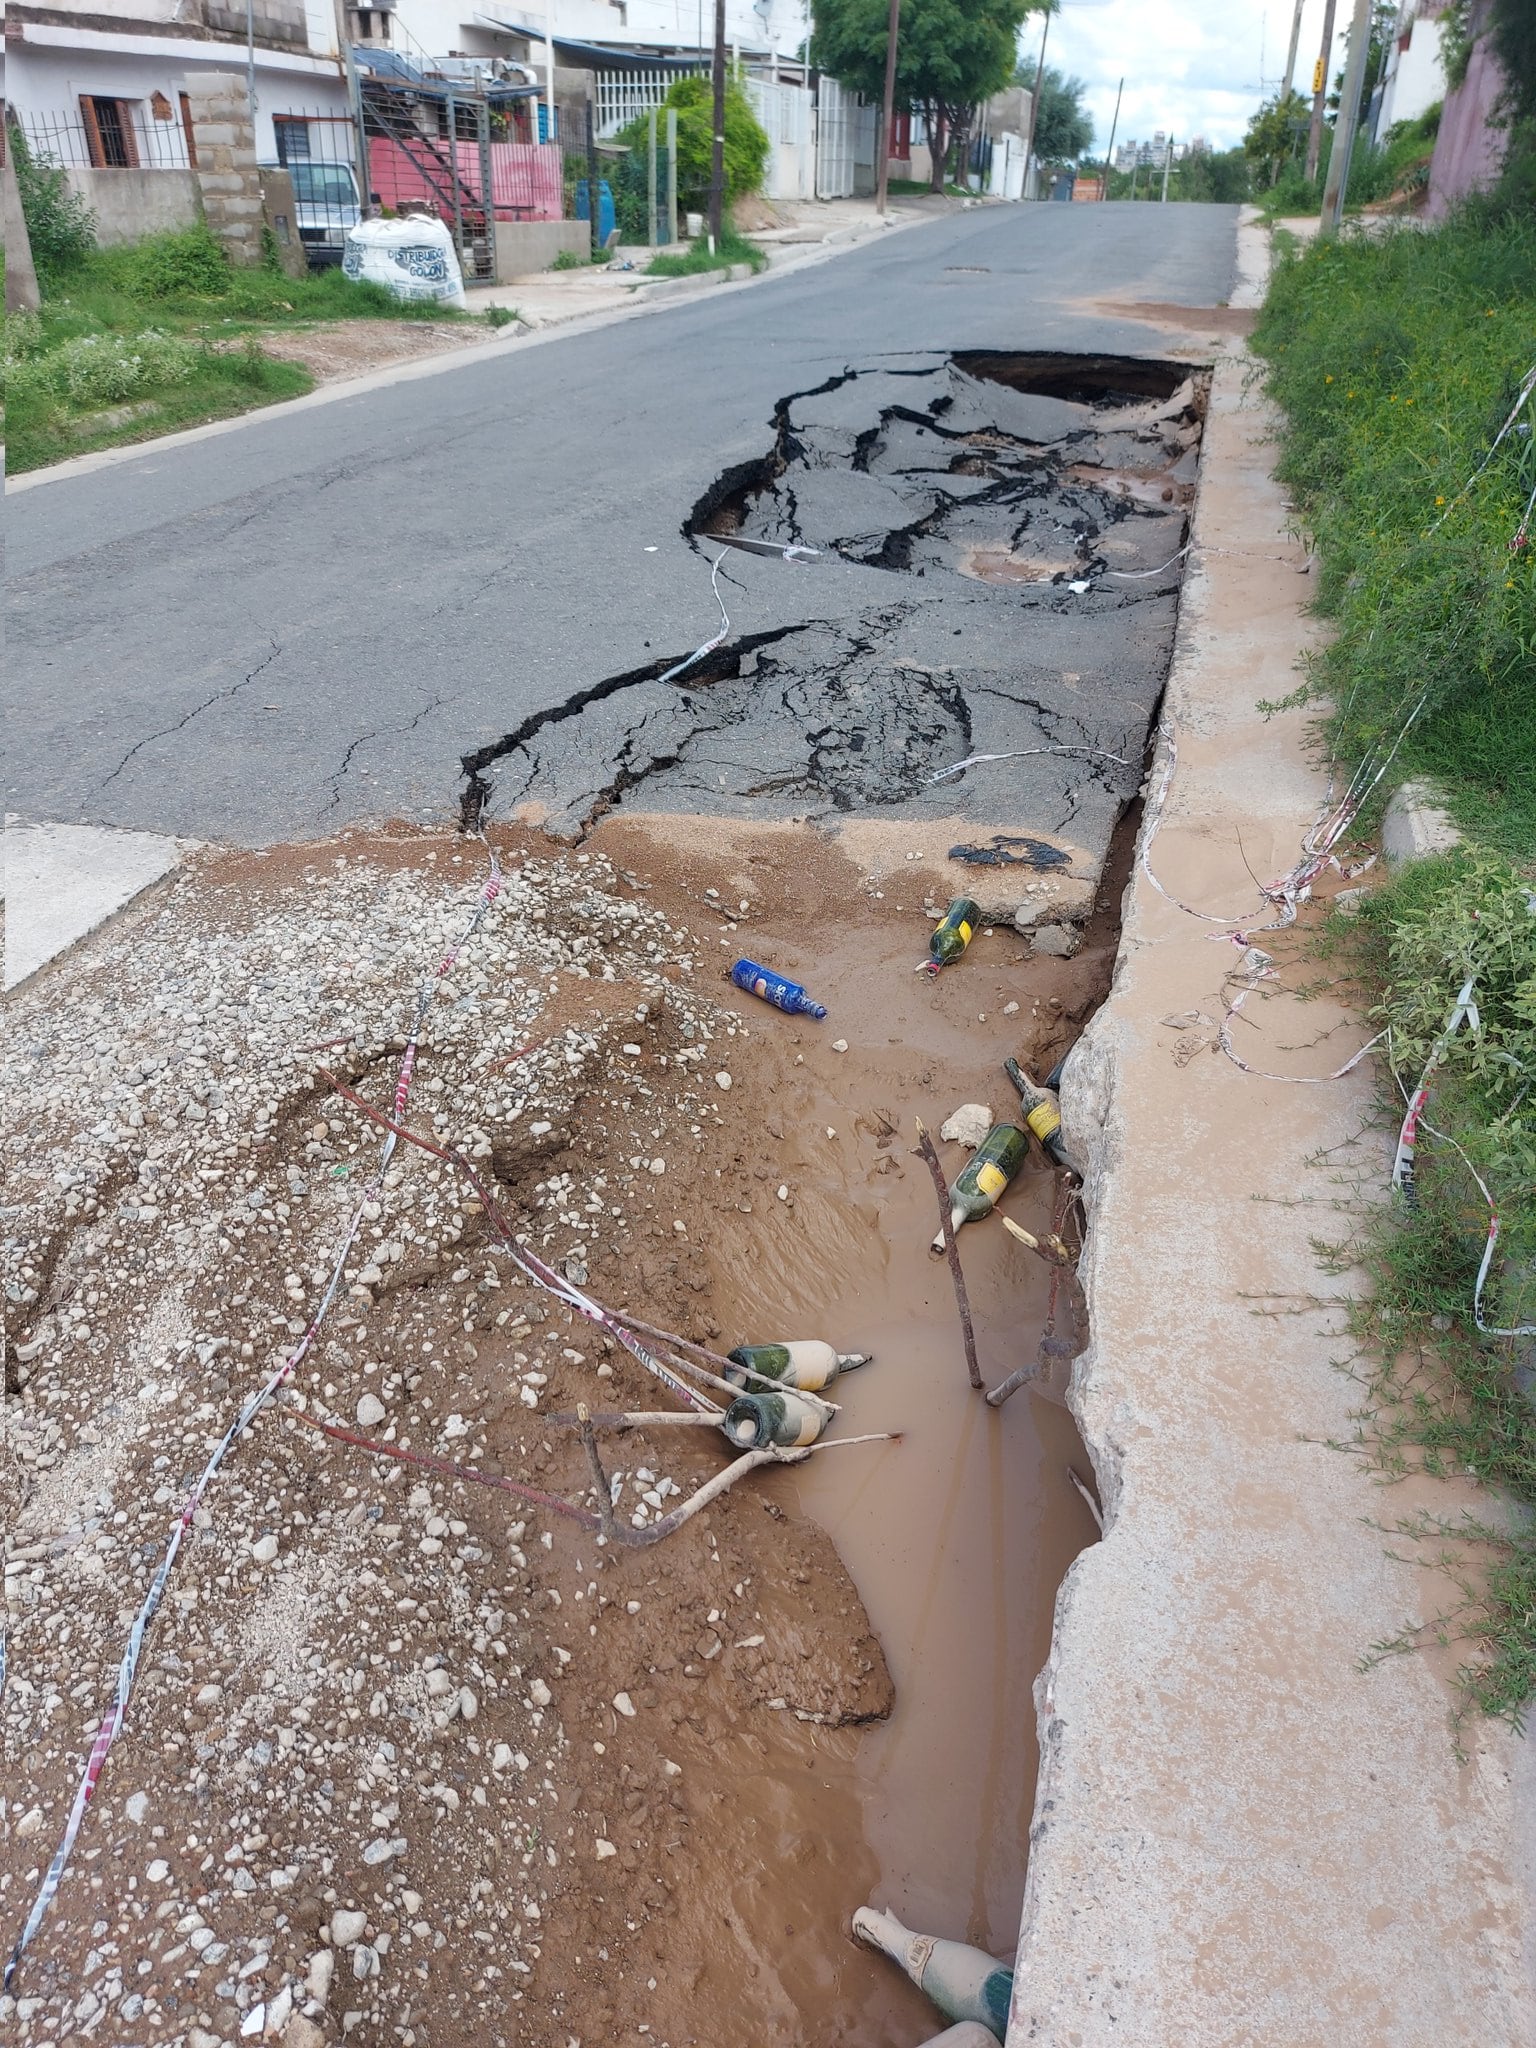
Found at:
[276, 630]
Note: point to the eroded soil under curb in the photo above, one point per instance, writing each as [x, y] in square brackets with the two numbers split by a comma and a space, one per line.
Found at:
[407, 1714]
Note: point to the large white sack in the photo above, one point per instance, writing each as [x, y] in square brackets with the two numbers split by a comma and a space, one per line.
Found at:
[413, 258]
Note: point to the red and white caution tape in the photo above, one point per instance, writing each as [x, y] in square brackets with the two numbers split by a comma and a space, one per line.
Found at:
[112, 1721]
[709, 646]
[1464, 1010]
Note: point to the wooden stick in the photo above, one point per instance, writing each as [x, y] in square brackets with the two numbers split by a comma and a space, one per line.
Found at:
[1093, 1506]
[678, 1418]
[715, 1361]
[1012, 1384]
[951, 1252]
[1050, 1247]
[630, 1538]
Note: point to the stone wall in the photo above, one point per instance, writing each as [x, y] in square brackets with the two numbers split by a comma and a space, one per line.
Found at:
[523, 246]
[131, 203]
[226, 162]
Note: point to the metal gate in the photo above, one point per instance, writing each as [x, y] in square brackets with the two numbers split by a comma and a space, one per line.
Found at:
[836, 112]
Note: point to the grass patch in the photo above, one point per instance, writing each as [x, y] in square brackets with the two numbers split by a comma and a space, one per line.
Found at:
[919, 188]
[165, 330]
[730, 248]
[1444, 1396]
[1397, 361]
[101, 392]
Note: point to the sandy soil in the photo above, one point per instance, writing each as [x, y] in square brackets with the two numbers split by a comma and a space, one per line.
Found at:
[409, 1759]
[350, 348]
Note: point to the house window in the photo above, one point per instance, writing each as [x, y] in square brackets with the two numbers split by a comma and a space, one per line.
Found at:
[109, 132]
[292, 139]
[371, 24]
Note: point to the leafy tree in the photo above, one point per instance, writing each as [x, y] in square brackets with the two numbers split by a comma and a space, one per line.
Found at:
[60, 226]
[1063, 129]
[950, 56]
[1276, 135]
[1219, 178]
[746, 143]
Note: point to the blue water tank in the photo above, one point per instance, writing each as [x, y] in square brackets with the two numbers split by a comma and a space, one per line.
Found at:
[607, 219]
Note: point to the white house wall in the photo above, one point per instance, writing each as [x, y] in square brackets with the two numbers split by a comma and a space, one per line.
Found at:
[44, 82]
[443, 26]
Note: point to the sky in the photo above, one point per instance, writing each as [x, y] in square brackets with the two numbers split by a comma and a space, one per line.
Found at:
[1191, 67]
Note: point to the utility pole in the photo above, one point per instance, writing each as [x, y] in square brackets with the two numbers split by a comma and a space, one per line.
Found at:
[888, 108]
[1109, 154]
[1167, 166]
[1290, 56]
[717, 158]
[1348, 122]
[1034, 98]
[549, 78]
[1320, 92]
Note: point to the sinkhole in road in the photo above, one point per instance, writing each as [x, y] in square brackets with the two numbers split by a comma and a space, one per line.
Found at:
[1000, 538]
[1000, 544]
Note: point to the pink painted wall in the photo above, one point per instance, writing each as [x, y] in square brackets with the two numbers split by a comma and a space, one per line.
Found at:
[525, 176]
[1468, 149]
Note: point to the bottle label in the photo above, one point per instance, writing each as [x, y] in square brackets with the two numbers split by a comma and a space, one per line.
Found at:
[1043, 1121]
[991, 1180]
[965, 932]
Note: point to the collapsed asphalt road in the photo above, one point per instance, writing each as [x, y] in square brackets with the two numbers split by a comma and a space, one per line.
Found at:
[1031, 511]
[276, 630]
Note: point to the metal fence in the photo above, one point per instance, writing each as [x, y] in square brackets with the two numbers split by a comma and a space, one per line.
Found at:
[318, 149]
[113, 134]
[623, 95]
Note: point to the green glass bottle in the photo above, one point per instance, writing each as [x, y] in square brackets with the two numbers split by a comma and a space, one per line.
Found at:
[805, 1363]
[984, 1176]
[1042, 1115]
[755, 1420]
[952, 934]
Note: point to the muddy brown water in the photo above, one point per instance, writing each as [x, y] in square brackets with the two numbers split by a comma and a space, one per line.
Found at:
[957, 1537]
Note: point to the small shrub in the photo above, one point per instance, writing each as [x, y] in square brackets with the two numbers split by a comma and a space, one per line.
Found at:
[569, 260]
[60, 226]
[185, 264]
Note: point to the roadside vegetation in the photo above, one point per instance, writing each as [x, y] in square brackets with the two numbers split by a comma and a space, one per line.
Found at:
[1398, 359]
[154, 335]
[730, 249]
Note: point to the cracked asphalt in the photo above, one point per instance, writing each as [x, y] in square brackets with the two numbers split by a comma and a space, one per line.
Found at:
[273, 632]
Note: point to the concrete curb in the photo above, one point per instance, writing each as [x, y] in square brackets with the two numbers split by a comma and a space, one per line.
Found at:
[1240, 1835]
[548, 330]
[63, 882]
[1415, 825]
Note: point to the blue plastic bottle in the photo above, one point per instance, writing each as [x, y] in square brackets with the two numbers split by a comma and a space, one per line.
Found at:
[775, 989]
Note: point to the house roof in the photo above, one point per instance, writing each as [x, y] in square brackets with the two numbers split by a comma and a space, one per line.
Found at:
[604, 56]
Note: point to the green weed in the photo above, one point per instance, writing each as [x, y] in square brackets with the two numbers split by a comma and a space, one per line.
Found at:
[729, 248]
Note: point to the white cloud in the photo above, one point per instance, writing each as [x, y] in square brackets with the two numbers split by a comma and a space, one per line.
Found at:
[1191, 67]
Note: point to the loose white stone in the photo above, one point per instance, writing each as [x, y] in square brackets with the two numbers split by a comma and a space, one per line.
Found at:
[722, 1080]
[623, 1704]
[158, 1871]
[264, 1549]
[540, 1693]
[839, 1045]
[968, 1126]
[605, 1849]
[347, 1926]
[370, 1410]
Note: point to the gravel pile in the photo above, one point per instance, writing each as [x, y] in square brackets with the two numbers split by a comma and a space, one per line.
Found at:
[345, 1800]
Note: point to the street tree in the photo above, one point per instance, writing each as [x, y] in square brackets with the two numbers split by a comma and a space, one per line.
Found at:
[1276, 136]
[950, 56]
[1063, 127]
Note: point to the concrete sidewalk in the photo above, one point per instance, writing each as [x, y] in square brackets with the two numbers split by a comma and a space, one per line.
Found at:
[1240, 1835]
